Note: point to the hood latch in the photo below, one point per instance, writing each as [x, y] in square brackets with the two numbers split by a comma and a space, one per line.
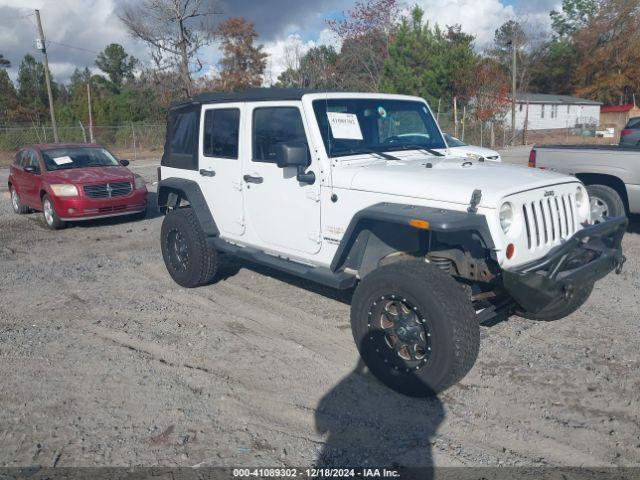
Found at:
[476, 198]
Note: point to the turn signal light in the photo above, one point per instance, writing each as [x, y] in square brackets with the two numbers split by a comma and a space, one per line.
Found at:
[532, 158]
[421, 224]
[511, 251]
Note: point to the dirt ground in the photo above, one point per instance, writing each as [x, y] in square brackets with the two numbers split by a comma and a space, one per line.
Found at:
[105, 361]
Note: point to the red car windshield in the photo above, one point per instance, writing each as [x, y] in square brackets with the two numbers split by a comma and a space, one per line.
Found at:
[77, 157]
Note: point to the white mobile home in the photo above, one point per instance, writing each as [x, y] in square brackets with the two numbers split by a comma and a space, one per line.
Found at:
[550, 112]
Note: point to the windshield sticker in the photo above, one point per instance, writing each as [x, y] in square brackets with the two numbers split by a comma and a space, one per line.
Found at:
[382, 112]
[62, 160]
[344, 126]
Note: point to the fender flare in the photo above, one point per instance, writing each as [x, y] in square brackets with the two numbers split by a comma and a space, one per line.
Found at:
[363, 244]
[172, 191]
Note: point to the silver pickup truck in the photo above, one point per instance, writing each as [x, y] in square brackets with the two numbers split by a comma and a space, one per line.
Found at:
[611, 174]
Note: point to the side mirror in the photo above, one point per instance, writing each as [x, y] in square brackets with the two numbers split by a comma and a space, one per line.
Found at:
[31, 169]
[124, 163]
[292, 154]
[295, 154]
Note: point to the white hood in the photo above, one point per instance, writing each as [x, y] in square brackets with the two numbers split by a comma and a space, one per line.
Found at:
[450, 179]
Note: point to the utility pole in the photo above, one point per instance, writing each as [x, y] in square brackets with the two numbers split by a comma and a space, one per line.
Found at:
[43, 48]
[514, 66]
[90, 111]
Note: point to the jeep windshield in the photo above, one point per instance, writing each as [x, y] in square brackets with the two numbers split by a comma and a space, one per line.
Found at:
[353, 126]
[77, 157]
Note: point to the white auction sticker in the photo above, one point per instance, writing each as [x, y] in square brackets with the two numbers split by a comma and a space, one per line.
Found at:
[62, 160]
[344, 125]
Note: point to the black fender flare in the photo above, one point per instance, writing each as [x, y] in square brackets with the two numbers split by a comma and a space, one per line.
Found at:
[378, 230]
[172, 191]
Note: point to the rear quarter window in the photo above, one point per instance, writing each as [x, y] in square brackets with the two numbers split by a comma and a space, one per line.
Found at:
[17, 161]
[181, 144]
[633, 123]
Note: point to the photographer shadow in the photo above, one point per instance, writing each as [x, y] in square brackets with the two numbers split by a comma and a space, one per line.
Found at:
[368, 425]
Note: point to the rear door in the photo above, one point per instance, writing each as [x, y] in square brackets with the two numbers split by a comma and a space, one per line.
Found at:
[30, 194]
[16, 172]
[220, 166]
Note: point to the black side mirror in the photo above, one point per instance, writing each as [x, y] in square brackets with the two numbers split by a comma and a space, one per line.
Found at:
[124, 163]
[295, 154]
[31, 169]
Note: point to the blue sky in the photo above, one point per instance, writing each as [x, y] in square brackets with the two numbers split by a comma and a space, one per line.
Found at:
[77, 29]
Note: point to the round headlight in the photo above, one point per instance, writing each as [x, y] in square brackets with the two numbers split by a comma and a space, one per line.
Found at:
[506, 216]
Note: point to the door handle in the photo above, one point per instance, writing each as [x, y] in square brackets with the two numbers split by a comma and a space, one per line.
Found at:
[250, 179]
[207, 173]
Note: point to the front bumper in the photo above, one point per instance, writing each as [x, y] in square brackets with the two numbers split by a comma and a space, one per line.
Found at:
[588, 256]
[84, 208]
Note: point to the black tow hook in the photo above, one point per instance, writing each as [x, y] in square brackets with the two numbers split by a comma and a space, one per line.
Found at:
[620, 261]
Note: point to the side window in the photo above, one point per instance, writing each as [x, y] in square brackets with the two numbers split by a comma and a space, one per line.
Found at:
[221, 129]
[32, 159]
[633, 123]
[274, 125]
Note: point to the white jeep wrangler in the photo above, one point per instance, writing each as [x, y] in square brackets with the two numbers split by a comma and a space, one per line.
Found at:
[358, 190]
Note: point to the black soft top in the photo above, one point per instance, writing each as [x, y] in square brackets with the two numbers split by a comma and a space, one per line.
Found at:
[249, 95]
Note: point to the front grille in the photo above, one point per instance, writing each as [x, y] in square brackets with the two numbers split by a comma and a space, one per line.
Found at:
[107, 190]
[550, 220]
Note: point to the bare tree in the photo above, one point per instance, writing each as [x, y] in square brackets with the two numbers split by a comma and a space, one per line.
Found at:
[175, 29]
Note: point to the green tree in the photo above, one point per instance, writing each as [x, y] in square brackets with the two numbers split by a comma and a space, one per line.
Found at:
[8, 101]
[317, 70]
[117, 64]
[512, 33]
[575, 14]
[429, 62]
[553, 70]
[32, 89]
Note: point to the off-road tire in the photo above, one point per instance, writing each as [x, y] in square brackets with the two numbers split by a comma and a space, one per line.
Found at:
[201, 260]
[49, 215]
[448, 317]
[561, 308]
[18, 206]
[608, 196]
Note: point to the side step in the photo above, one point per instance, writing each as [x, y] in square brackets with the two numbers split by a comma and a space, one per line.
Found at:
[322, 275]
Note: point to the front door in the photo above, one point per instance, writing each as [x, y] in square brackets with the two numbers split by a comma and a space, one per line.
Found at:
[283, 214]
[220, 166]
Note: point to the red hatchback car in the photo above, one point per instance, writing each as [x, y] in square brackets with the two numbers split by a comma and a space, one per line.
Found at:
[71, 182]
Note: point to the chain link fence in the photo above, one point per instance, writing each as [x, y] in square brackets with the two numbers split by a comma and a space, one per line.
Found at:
[498, 135]
[141, 140]
[131, 141]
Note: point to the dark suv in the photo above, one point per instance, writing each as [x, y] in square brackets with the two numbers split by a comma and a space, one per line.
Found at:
[630, 135]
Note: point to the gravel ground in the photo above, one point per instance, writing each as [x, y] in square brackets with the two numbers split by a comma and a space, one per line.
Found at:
[105, 361]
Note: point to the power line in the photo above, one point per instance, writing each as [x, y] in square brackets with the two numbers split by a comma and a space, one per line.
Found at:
[71, 46]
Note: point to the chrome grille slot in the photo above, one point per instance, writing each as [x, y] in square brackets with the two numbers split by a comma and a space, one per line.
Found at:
[549, 220]
[107, 190]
